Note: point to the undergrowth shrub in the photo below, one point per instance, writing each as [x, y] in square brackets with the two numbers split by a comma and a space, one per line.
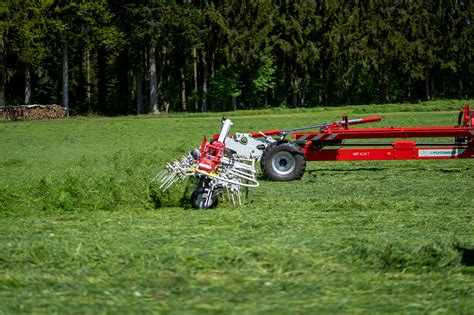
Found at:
[9, 199]
[76, 191]
[435, 106]
[123, 180]
[178, 196]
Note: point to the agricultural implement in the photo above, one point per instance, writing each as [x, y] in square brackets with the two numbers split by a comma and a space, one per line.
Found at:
[226, 163]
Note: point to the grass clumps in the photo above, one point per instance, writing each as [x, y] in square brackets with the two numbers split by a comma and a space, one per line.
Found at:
[405, 257]
[84, 230]
[118, 184]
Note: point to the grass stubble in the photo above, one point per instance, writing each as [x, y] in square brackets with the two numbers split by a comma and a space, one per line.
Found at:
[82, 229]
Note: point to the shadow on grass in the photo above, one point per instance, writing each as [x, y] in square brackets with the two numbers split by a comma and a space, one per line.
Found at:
[377, 169]
[347, 170]
[467, 255]
[174, 197]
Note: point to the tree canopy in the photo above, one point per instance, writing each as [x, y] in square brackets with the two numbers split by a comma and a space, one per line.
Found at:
[129, 56]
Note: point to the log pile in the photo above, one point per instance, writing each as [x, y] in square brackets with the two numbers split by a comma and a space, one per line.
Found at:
[31, 112]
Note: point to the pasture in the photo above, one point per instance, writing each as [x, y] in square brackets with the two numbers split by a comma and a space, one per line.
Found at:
[82, 230]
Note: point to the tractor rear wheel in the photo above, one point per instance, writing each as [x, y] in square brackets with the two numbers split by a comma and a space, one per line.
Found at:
[283, 161]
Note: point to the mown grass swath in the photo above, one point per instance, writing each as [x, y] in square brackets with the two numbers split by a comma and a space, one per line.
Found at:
[83, 230]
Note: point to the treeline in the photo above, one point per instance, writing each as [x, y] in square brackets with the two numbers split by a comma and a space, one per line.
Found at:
[125, 56]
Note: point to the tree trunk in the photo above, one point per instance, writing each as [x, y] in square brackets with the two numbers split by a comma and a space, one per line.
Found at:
[183, 89]
[409, 89]
[81, 88]
[205, 74]
[460, 86]
[153, 82]
[384, 98]
[102, 79]
[444, 86]
[84, 94]
[164, 63]
[213, 59]
[87, 73]
[196, 105]
[427, 85]
[234, 103]
[321, 80]
[212, 63]
[432, 86]
[294, 88]
[139, 91]
[2, 70]
[27, 85]
[65, 81]
[130, 90]
[166, 102]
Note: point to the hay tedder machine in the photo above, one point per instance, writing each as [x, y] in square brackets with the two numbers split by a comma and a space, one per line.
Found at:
[226, 163]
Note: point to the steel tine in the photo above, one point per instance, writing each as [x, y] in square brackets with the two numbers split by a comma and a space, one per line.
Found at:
[166, 181]
[157, 176]
[173, 181]
[208, 198]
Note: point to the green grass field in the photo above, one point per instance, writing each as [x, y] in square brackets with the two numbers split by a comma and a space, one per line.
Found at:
[82, 230]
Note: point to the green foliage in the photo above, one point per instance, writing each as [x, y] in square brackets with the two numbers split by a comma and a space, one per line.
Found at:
[89, 22]
[25, 26]
[265, 78]
[299, 53]
[222, 89]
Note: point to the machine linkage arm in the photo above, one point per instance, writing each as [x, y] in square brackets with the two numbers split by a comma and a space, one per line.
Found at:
[341, 124]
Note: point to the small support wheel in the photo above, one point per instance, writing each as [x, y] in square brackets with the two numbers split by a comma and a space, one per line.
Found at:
[199, 197]
[283, 161]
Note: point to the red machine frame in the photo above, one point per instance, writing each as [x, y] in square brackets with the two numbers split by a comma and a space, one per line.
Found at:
[334, 135]
[313, 143]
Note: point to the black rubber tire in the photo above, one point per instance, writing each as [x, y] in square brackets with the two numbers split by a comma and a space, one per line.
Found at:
[283, 161]
[197, 199]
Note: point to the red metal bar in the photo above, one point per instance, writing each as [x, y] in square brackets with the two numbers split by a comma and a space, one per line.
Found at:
[379, 133]
[466, 117]
[211, 155]
[364, 120]
[334, 125]
[399, 151]
[257, 134]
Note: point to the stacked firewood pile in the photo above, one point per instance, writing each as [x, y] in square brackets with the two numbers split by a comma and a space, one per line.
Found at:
[31, 112]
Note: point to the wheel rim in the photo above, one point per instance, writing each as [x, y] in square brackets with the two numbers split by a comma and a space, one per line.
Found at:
[200, 201]
[283, 163]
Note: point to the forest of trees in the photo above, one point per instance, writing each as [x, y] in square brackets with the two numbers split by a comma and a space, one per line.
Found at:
[131, 56]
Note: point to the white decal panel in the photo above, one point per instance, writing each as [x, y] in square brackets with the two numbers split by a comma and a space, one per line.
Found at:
[440, 152]
[361, 154]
